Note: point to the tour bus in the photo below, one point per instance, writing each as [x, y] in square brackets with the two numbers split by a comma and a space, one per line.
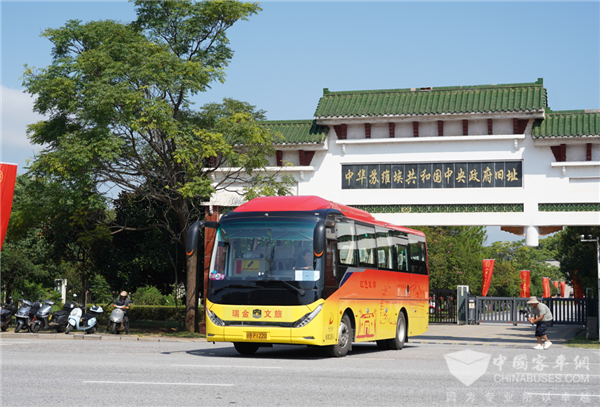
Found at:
[304, 270]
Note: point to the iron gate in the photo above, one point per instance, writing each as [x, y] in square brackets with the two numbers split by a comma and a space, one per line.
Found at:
[442, 306]
[565, 311]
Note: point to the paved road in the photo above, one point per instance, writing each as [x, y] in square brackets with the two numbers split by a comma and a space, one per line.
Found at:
[143, 372]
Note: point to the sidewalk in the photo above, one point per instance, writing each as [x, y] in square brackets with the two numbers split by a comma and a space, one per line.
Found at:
[522, 335]
[95, 337]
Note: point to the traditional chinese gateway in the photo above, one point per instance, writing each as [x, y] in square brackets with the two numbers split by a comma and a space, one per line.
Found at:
[493, 155]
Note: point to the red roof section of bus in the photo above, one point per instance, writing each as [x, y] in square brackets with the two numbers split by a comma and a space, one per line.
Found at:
[312, 203]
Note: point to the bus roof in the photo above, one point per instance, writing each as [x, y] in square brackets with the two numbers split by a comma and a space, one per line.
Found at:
[312, 203]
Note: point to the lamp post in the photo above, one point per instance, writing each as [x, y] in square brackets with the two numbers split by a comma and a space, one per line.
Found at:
[597, 241]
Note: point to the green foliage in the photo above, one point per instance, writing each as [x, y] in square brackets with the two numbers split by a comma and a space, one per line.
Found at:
[149, 295]
[574, 254]
[455, 256]
[32, 291]
[116, 98]
[512, 257]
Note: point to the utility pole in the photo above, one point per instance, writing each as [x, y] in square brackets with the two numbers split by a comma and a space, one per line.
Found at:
[597, 241]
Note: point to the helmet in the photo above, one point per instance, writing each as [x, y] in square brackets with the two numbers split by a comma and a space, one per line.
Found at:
[123, 293]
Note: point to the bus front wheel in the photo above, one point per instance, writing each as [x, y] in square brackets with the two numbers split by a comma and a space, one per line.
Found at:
[246, 348]
[397, 343]
[344, 339]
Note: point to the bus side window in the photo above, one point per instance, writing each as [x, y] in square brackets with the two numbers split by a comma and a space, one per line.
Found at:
[384, 249]
[417, 257]
[346, 245]
[367, 246]
[401, 258]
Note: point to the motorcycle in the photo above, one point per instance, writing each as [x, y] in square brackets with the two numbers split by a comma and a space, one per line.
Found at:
[117, 317]
[60, 319]
[25, 314]
[87, 322]
[8, 310]
[41, 318]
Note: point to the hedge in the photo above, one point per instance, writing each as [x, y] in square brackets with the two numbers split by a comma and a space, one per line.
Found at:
[150, 312]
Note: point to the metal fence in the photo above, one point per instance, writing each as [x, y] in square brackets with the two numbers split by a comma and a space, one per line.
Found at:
[442, 306]
[506, 310]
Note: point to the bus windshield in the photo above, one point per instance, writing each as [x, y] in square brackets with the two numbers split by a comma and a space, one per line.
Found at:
[271, 254]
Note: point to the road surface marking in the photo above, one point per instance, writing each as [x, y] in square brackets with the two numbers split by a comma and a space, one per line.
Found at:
[230, 366]
[157, 383]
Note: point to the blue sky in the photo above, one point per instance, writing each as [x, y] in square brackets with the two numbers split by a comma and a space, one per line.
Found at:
[289, 52]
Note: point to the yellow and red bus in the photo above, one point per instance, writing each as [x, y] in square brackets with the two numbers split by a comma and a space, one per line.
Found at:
[304, 270]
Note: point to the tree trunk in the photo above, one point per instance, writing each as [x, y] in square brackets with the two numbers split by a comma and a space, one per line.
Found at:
[191, 292]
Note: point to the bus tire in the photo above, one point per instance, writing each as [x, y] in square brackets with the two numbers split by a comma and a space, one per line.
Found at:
[397, 343]
[344, 339]
[246, 348]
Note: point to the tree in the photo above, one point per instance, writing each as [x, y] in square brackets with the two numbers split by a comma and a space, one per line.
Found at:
[575, 255]
[455, 254]
[118, 101]
[66, 219]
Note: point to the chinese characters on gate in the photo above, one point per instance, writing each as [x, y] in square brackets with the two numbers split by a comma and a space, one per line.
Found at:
[503, 174]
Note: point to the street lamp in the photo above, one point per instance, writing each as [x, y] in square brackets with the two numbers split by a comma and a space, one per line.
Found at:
[597, 241]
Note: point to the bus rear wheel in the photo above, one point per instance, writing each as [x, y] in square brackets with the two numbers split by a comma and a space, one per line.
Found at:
[246, 348]
[344, 339]
[397, 343]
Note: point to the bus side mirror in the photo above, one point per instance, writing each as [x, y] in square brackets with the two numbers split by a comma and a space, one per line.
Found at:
[319, 239]
[194, 233]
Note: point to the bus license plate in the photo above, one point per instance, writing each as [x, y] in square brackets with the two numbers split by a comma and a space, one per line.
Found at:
[253, 336]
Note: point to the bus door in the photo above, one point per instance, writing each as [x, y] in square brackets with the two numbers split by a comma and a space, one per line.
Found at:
[331, 279]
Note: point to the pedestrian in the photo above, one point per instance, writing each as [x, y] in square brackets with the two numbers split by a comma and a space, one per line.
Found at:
[542, 317]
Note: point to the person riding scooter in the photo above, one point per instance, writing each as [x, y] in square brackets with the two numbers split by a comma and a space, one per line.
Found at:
[124, 303]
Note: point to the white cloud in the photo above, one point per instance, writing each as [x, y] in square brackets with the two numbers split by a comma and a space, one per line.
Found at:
[17, 113]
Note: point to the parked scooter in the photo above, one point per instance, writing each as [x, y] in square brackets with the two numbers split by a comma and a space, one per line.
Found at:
[25, 314]
[87, 322]
[8, 310]
[116, 319]
[60, 319]
[41, 318]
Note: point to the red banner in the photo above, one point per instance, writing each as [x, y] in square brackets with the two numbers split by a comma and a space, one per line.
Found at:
[577, 290]
[547, 293]
[488, 269]
[525, 283]
[563, 288]
[8, 175]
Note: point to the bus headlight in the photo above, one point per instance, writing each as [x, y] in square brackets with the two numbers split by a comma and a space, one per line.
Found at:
[308, 317]
[215, 319]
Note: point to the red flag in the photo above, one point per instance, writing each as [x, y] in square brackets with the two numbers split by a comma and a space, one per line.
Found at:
[488, 269]
[546, 283]
[577, 290]
[525, 283]
[8, 175]
[556, 285]
[563, 288]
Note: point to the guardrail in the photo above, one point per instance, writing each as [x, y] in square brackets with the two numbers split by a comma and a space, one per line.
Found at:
[507, 310]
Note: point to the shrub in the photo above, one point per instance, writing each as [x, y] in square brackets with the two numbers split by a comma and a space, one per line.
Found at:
[149, 312]
[149, 295]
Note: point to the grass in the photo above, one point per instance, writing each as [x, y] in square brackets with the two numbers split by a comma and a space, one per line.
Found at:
[164, 329]
[580, 341]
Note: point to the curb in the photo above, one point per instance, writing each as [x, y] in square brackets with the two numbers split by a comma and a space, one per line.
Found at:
[130, 338]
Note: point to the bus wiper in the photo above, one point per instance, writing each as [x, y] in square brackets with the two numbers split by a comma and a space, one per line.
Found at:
[213, 291]
[299, 290]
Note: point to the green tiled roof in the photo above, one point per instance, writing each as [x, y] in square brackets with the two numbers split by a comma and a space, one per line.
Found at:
[298, 131]
[519, 97]
[568, 123]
